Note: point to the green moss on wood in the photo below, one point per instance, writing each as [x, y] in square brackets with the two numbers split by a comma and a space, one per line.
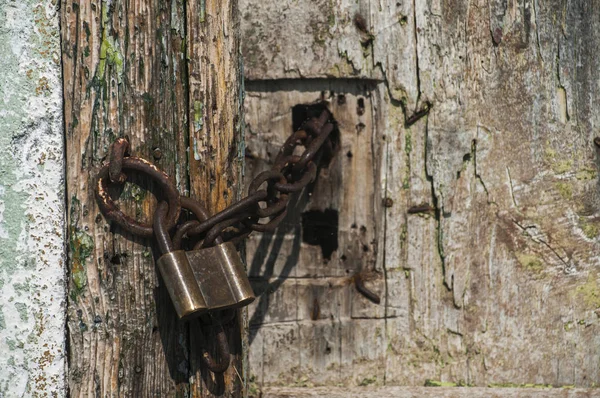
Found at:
[82, 246]
[586, 174]
[367, 381]
[558, 166]
[437, 383]
[408, 143]
[515, 385]
[109, 53]
[589, 293]
[565, 189]
[530, 262]
[590, 230]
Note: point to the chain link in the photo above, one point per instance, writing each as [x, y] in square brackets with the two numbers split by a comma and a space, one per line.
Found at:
[289, 174]
[262, 210]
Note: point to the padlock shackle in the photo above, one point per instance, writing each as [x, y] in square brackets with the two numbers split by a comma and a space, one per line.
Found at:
[161, 231]
[223, 349]
[202, 215]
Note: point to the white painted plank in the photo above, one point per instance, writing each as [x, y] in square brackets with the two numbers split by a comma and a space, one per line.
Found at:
[32, 255]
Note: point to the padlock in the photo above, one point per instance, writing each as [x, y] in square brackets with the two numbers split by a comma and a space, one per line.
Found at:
[198, 281]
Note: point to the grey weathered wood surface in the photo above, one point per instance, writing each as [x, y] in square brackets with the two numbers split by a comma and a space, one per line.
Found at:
[496, 283]
[423, 392]
[166, 74]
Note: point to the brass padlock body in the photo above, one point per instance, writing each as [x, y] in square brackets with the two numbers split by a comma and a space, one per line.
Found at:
[204, 280]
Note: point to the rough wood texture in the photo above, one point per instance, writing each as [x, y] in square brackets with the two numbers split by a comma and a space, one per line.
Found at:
[427, 392]
[485, 250]
[215, 146]
[32, 211]
[132, 68]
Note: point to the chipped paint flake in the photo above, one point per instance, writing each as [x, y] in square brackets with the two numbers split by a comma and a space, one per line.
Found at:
[32, 275]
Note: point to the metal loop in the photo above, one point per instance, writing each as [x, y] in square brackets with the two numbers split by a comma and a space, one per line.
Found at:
[241, 234]
[280, 203]
[315, 125]
[113, 213]
[117, 152]
[307, 178]
[314, 147]
[265, 176]
[201, 214]
[162, 234]
[271, 225]
[195, 207]
[215, 232]
[223, 349]
[240, 207]
[289, 173]
[290, 145]
[182, 231]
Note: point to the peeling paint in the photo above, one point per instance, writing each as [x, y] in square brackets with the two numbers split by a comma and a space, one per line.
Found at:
[32, 290]
[198, 115]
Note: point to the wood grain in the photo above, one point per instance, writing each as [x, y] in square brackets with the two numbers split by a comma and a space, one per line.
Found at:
[426, 392]
[496, 280]
[129, 69]
[216, 147]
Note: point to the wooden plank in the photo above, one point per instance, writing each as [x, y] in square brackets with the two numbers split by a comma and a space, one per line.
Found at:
[122, 69]
[132, 68]
[486, 213]
[319, 39]
[425, 392]
[216, 151]
[306, 299]
[32, 211]
[333, 39]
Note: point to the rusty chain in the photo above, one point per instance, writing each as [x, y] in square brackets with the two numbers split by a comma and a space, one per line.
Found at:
[289, 174]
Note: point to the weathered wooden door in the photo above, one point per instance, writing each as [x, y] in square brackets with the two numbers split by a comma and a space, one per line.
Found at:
[465, 194]
[97, 321]
[165, 74]
[452, 241]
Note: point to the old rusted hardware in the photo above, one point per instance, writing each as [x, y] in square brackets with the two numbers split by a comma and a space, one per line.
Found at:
[211, 278]
[359, 284]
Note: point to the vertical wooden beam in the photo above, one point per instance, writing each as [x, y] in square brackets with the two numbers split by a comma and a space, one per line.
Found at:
[125, 67]
[216, 138]
[32, 278]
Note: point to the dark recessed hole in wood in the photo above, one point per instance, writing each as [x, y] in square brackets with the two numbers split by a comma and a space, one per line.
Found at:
[303, 112]
[360, 108]
[320, 228]
[360, 127]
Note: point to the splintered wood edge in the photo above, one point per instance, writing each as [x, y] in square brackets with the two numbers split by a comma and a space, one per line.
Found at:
[417, 392]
